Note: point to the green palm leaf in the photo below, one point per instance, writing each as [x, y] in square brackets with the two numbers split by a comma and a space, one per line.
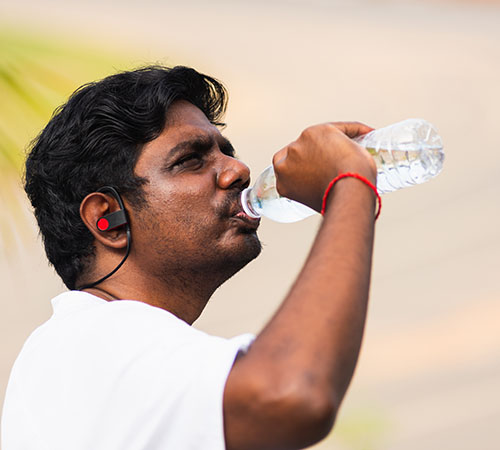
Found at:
[37, 74]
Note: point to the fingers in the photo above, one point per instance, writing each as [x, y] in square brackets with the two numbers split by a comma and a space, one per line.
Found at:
[352, 129]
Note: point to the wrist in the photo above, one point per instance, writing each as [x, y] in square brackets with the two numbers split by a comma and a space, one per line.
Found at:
[351, 181]
[367, 170]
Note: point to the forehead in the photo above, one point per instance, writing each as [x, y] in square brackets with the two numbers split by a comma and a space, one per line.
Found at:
[183, 116]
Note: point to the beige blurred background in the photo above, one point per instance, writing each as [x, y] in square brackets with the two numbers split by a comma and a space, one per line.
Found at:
[429, 371]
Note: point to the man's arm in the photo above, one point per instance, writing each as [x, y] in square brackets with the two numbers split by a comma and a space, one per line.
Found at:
[285, 392]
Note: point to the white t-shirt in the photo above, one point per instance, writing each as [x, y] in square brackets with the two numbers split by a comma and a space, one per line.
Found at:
[121, 375]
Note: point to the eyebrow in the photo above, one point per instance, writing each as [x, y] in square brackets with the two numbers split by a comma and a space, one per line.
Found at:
[200, 143]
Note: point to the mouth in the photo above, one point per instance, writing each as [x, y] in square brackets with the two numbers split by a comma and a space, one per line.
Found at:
[233, 210]
[242, 218]
[246, 220]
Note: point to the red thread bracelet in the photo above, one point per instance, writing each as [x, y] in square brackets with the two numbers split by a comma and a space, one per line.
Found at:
[353, 175]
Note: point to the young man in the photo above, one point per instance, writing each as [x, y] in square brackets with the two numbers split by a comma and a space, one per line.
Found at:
[136, 194]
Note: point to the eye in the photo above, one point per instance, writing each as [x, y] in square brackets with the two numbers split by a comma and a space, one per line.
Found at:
[192, 160]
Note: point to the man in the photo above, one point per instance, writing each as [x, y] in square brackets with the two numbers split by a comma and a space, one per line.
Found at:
[136, 194]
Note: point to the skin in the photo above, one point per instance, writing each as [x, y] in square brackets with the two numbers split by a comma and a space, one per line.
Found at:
[284, 393]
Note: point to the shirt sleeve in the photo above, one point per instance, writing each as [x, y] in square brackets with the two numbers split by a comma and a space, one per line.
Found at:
[203, 399]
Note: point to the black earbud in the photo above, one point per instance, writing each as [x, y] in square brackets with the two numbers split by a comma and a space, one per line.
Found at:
[115, 219]
[111, 221]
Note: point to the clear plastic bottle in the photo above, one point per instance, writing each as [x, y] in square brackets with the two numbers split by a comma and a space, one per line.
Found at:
[406, 153]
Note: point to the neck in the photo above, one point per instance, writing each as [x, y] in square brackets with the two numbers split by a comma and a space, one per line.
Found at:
[184, 296]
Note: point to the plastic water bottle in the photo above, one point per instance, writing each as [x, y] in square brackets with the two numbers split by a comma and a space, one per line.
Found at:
[406, 153]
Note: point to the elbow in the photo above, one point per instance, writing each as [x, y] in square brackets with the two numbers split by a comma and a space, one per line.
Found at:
[316, 416]
[277, 412]
[300, 416]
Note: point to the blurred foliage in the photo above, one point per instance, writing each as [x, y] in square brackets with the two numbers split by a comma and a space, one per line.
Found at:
[37, 74]
[364, 427]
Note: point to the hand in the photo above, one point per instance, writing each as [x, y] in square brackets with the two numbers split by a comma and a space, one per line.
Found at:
[305, 167]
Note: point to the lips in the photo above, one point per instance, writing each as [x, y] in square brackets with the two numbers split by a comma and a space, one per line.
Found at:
[233, 210]
[247, 220]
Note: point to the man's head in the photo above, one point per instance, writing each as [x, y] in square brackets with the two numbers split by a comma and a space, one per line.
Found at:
[121, 132]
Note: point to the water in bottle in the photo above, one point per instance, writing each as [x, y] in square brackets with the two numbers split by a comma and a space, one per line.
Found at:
[406, 153]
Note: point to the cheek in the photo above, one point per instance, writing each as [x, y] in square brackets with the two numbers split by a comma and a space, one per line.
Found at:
[177, 218]
[189, 193]
[182, 214]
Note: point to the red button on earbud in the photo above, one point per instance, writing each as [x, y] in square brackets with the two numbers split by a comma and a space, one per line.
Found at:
[102, 224]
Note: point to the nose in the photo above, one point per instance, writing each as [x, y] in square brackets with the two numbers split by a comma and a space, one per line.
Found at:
[233, 174]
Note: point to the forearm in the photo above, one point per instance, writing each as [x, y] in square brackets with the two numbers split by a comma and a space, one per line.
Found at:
[319, 327]
[288, 387]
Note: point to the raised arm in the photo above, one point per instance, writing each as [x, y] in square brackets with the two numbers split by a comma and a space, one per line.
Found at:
[285, 392]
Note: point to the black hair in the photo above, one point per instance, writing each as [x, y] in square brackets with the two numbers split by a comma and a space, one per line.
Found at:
[95, 140]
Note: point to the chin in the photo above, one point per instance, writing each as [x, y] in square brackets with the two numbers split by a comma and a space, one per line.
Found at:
[249, 249]
[240, 255]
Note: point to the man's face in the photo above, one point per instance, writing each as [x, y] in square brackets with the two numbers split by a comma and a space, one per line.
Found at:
[193, 222]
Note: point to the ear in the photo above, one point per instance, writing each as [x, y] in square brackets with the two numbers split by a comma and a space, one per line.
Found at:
[93, 207]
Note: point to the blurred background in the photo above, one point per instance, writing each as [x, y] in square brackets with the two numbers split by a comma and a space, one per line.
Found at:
[429, 371]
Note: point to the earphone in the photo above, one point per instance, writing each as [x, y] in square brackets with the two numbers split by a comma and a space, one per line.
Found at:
[109, 222]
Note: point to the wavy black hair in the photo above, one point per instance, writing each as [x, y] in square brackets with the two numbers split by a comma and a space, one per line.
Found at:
[95, 140]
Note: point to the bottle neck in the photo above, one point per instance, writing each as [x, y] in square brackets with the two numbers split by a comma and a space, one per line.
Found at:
[246, 204]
